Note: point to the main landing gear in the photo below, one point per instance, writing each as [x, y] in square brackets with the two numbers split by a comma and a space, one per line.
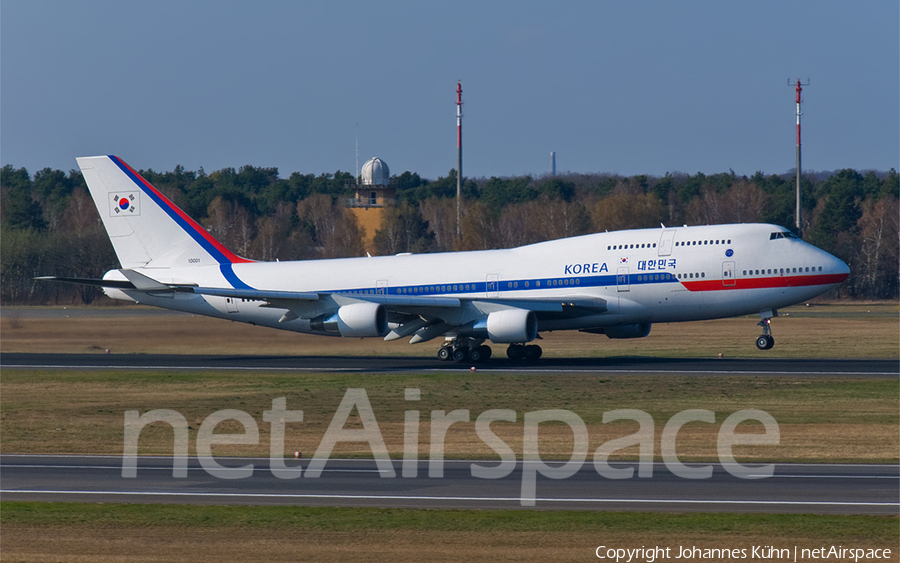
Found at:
[765, 341]
[528, 352]
[462, 350]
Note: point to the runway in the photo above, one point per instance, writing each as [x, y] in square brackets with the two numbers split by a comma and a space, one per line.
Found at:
[794, 488]
[398, 364]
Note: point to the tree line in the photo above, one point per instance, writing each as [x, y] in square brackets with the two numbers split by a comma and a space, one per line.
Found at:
[49, 225]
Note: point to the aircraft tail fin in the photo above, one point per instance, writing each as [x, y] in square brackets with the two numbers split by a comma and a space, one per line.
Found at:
[147, 230]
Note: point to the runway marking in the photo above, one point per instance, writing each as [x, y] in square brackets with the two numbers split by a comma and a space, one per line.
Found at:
[301, 469]
[167, 459]
[827, 476]
[450, 498]
[522, 369]
[162, 468]
[717, 372]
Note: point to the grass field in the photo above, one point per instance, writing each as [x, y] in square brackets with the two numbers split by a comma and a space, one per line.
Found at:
[72, 411]
[107, 533]
[820, 419]
[826, 330]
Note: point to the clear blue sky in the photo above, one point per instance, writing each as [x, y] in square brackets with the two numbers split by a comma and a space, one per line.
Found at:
[641, 87]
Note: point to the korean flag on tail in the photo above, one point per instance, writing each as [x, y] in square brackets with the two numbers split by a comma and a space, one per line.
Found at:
[124, 204]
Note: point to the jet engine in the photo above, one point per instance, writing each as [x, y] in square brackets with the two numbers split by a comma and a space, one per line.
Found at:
[356, 320]
[627, 331]
[507, 326]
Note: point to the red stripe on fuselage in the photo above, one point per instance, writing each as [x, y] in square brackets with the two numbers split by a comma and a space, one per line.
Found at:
[763, 283]
[229, 255]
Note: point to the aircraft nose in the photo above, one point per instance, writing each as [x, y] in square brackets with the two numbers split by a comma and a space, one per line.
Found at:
[838, 267]
[842, 267]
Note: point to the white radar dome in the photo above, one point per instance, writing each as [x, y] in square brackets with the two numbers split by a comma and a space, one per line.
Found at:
[375, 172]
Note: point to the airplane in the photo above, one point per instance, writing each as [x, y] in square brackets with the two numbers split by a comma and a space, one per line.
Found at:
[613, 283]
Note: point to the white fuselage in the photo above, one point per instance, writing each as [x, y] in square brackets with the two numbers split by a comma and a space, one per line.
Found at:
[642, 276]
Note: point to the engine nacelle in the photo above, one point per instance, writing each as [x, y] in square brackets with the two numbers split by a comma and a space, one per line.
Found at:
[627, 331]
[509, 326]
[357, 320]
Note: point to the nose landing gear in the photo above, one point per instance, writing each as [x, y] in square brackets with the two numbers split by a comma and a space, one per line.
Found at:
[765, 341]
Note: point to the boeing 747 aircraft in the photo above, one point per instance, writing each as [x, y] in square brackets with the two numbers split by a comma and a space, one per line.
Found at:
[616, 283]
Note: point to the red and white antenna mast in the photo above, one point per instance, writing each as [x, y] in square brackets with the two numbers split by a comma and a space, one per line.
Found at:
[458, 158]
[799, 89]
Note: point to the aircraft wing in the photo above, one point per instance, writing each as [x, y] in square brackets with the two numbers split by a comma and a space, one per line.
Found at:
[425, 317]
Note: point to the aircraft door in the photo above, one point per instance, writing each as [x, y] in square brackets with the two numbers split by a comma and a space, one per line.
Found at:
[381, 287]
[231, 305]
[622, 279]
[665, 242]
[728, 279]
[492, 285]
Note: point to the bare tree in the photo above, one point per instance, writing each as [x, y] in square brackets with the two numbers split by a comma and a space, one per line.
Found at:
[273, 234]
[334, 229]
[513, 226]
[624, 211]
[746, 202]
[229, 222]
[441, 216]
[878, 254]
[478, 228]
[555, 218]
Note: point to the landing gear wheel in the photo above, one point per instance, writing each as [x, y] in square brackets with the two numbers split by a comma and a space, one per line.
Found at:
[480, 354]
[460, 355]
[444, 353]
[765, 341]
[533, 352]
[515, 352]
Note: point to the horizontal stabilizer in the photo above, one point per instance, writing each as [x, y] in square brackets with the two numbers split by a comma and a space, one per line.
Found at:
[118, 284]
[144, 283]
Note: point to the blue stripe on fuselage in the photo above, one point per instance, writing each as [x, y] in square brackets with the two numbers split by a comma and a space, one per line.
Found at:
[506, 286]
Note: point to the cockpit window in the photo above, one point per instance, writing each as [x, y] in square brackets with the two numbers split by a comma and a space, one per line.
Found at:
[782, 234]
